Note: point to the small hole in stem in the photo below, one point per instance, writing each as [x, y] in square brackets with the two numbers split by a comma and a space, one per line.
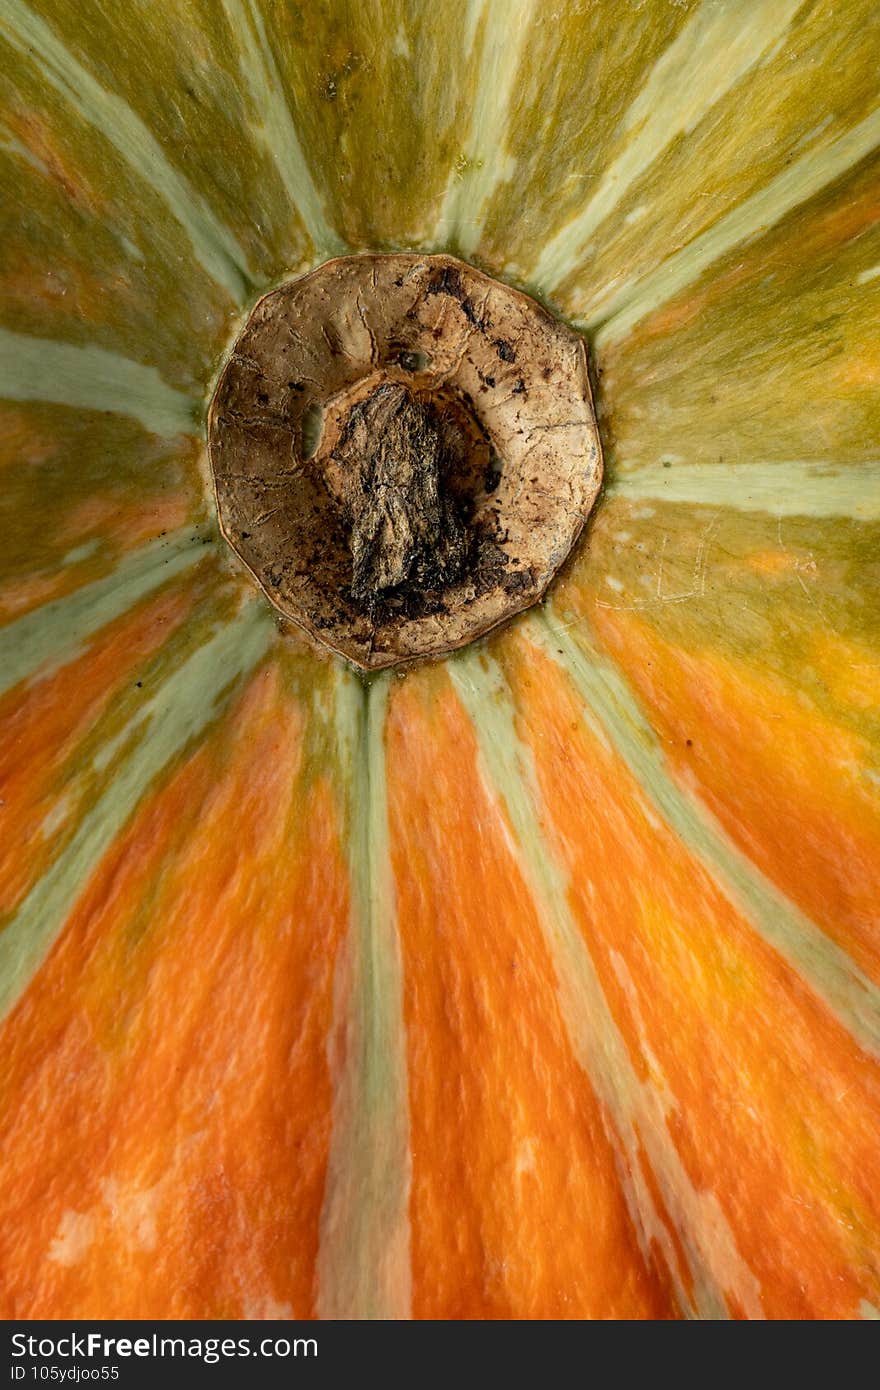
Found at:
[312, 424]
[414, 361]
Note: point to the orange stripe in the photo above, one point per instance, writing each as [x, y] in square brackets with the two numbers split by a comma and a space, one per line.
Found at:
[124, 521]
[771, 1106]
[516, 1206]
[166, 1075]
[778, 776]
[44, 723]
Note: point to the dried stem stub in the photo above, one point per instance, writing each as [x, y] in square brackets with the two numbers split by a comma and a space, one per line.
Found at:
[404, 451]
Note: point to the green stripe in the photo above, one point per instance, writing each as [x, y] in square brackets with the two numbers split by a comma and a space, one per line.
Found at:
[56, 631]
[90, 378]
[638, 1110]
[363, 1259]
[847, 991]
[162, 728]
[214, 246]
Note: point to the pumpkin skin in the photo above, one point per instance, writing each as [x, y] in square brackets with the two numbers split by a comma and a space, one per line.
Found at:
[537, 982]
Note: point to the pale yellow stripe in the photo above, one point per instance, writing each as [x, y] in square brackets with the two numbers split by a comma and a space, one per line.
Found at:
[91, 378]
[165, 724]
[55, 633]
[638, 1110]
[364, 1252]
[276, 128]
[830, 973]
[618, 310]
[787, 488]
[717, 46]
[486, 162]
[214, 246]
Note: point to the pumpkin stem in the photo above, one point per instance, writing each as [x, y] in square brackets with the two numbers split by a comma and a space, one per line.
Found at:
[405, 529]
[404, 452]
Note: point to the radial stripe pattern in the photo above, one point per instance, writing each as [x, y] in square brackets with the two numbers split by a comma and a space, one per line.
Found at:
[538, 982]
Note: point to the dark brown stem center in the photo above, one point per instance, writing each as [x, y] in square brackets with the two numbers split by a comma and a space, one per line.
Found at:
[405, 532]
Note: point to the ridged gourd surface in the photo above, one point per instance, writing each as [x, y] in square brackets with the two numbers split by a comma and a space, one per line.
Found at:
[542, 981]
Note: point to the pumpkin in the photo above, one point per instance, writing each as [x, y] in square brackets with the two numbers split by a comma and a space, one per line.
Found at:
[538, 979]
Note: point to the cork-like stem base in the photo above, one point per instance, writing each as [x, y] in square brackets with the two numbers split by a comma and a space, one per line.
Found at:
[404, 452]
